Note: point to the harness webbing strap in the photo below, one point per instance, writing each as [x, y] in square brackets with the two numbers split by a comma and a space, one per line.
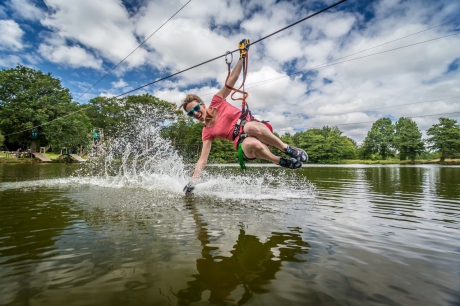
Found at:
[240, 156]
[241, 121]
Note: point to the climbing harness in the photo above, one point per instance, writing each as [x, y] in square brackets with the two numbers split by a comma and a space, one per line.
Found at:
[244, 56]
[243, 46]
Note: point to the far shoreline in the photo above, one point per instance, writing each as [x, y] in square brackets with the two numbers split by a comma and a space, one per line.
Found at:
[448, 162]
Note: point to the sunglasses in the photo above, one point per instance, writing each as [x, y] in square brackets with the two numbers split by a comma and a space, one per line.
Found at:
[193, 110]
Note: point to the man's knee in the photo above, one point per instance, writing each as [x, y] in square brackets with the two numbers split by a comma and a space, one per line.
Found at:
[252, 128]
[253, 145]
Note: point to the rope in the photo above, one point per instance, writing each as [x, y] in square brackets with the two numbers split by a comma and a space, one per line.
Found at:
[220, 56]
[235, 90]
[353, 123]
[182, 71]
[83, 108]
[133, 51]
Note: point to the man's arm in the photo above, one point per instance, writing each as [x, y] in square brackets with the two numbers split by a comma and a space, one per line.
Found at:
[188, 189]
[203, 159]
[224, 92]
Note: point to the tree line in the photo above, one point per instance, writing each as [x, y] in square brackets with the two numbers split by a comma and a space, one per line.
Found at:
[33, 100]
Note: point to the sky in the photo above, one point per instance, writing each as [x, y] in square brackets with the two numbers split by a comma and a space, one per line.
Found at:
[307, 76]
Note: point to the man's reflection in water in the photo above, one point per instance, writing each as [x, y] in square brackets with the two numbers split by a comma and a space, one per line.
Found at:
[252, 265]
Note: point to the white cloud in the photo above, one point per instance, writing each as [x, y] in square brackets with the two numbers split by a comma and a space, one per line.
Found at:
[24, 9]
[10, 35]
[74, 56]
[119, 84]
[176, 96]
[205, 29]
[32, 58]
[10, 61]
[183, 43]
[107, 28]
[402, 76]
[415, 74]
[336, 24]
[107, 95]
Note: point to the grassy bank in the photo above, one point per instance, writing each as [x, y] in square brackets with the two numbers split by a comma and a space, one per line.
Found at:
[401, 162]
[12, 159]
[55, 158]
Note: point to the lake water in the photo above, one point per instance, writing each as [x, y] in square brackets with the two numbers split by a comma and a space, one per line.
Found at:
[322, 235]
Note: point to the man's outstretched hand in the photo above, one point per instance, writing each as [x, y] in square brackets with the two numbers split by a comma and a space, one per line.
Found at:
[188, 189]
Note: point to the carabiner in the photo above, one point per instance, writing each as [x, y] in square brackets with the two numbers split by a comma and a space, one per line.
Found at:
[231, 59]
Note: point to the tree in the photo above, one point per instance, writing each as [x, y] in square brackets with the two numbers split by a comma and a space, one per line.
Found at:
[408, 139]
[445, 138]
[30, 98]
[379, 139]
[325, 145]
[105, 113]
[185, 135]
[108, 113]
[68, 131]
[2, 139]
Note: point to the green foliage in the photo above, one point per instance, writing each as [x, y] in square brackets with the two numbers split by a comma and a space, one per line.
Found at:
[286, 138]
[185, 136]
[31, 98]
[223, 151]
[445, 138]
[430, 155]
[379, 139]
[105, 113]
[408, 139]
[325, 145]
[109, 113]
[71, 131]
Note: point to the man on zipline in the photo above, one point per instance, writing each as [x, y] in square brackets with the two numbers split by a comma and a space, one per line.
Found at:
[221, 119]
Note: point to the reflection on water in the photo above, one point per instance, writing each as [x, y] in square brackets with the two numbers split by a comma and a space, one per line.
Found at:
[391, 180]
[251, 266]
[446, 183]
[27, 238]
[370, 235]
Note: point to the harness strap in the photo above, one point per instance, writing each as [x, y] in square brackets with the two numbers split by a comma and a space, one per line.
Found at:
[241, 122]
[241, 157]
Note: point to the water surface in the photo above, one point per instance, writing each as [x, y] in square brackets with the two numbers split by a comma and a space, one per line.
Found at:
[323, 235]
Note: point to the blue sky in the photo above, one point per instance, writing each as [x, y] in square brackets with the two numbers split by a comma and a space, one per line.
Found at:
[79, 41]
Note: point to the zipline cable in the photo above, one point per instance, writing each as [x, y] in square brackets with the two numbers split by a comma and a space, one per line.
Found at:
[164, 23]
[369, 109]
[266, 81]
[333, 62]
[133, 51]
[223, 55]
[182, 71]
[385, 43]
[354, 123]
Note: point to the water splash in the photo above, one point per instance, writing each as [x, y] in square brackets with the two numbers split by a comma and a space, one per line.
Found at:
[139, 158]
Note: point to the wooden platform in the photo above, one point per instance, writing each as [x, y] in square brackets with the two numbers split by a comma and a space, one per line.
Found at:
[77, 157]
[41, 157]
